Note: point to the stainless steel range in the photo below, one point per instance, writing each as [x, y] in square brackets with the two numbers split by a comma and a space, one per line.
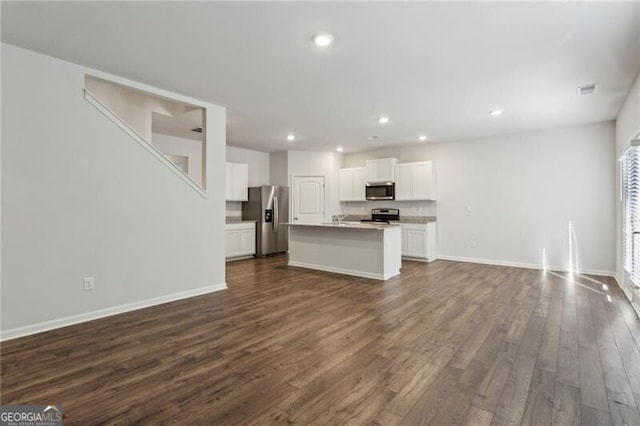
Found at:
[384, 216]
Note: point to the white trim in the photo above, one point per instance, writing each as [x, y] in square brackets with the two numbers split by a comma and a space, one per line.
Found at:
[636, 309]
[100, 75]
[351, 272]
[93, 100]
[599, 272]
[107, 312]
[625, 289]
[418, 259]
[239, 257]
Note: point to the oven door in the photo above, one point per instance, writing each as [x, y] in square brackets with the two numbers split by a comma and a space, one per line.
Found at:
[380, 191]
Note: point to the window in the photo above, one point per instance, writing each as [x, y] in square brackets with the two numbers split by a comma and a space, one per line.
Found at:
[631, 214]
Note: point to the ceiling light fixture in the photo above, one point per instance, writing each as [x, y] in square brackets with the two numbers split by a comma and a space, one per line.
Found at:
[372, 138]
[383, 120]
[291, 137]
[322, 39]
[495, 112]
[339, 149]
[422, 138]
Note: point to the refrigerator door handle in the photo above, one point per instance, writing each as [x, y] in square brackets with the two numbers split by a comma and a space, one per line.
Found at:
[276, 219]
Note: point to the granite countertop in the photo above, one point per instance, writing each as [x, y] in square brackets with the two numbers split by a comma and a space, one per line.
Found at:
[347, 225]
[403, 219]
[237, 219]
[351, 218]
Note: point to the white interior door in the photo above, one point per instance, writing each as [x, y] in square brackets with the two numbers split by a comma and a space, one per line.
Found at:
[308, 199]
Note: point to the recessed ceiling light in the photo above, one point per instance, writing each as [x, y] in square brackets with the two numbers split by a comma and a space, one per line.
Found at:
[371, 138]
[339, 149]
[291, 137]
[322, 39]
[422, 138]
[383, 120]
[496, 112]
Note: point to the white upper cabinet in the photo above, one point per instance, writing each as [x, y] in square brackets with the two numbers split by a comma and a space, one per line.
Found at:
[415, 181]
[237, 176]
[359, 183]
[404, 181]
[381, 170]
[352, 184]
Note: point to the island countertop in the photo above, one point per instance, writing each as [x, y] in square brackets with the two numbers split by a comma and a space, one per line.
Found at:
[348, 225]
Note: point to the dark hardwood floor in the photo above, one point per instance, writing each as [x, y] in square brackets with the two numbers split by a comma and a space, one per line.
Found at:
[445, 343]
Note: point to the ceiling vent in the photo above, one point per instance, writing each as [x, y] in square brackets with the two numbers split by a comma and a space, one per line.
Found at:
[589, 89]
[197, 129]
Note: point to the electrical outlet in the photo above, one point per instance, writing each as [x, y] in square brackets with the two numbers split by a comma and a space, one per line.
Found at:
[474, 244]
[88, 283]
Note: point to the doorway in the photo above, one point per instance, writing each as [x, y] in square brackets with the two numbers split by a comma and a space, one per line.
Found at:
[308, 199]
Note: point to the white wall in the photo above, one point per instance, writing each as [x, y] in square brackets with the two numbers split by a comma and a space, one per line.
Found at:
[627, 128]
[190, 148]
[133, 106]
[258, 162]
[278, 168]
[1, 149]
[81, 198]
[405, 154]
[522, 190]
[285, 164]
[328, 164]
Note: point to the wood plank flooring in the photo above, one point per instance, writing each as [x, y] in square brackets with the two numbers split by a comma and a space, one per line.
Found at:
[444, 343]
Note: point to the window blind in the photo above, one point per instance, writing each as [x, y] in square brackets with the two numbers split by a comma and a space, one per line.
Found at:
[631, 214]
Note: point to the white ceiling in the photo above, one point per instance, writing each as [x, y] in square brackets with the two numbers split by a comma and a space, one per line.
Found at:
[434, 68]
[179, 125]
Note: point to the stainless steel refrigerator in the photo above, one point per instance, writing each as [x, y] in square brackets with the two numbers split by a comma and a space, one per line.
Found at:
[269, 207]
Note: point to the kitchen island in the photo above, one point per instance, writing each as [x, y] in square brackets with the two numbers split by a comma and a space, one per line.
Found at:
[362, 250]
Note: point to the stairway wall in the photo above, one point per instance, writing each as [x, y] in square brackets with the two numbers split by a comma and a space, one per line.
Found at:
[81, 198]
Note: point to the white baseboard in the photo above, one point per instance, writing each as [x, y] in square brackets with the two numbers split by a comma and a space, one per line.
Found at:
[107, 312]
[599, 272]
[623, 287]
[243, 257]
[628, 291]
[351, 272]
[418, 259]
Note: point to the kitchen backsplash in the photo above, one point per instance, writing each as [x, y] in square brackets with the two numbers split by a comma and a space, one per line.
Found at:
[234, 208]
[407, 208]
[403, 219]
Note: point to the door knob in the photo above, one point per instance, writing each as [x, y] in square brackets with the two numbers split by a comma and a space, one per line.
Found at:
[295, 218]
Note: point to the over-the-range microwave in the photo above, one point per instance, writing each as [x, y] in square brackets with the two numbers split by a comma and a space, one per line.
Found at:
[380, 191]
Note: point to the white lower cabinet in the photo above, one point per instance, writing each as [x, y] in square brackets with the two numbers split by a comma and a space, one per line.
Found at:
[419, 241]
[240, 240]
